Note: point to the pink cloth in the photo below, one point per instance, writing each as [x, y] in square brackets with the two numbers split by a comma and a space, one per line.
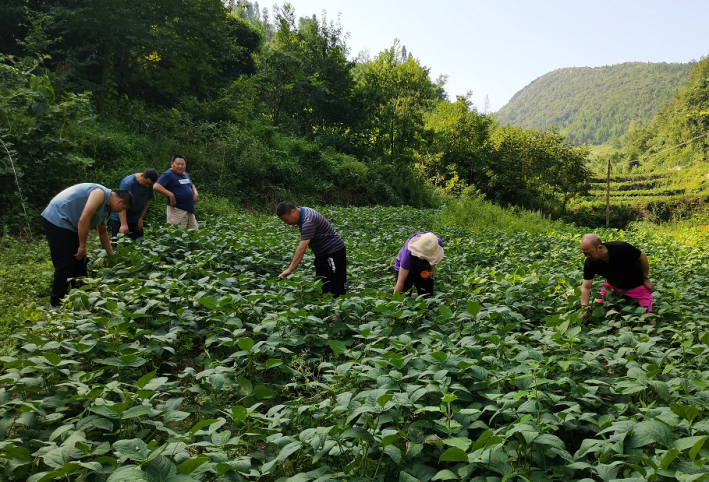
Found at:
[640, 293]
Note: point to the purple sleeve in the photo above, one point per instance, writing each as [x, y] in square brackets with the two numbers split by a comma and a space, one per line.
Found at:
[405, 257]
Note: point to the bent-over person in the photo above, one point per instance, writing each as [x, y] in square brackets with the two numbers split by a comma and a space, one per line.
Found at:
[130, 222]
[67, 221]
[317, 233]
[416, 263]
[625, 268]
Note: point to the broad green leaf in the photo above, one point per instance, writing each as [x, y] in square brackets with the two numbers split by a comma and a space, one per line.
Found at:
[52, 358]
[394, 453]
[208, 302]
[263, 393]
[128, 473]
[445, 311]
[453, 454]
[688, 413]
[136, 412]
[145, 379]
[246, 344]
[190, 465]
[551, 440]
[59, 431]
[445, 475]
[239, 413]
[337, 346]
[201, 425]
[175, 416]
[135, 449]
[669, 457]
[449, 397]
[650, 432]
[473, 308]
[357, 432]
[245, 386]
[460, 442]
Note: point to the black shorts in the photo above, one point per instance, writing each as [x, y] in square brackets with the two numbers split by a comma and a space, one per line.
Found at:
[332, 269]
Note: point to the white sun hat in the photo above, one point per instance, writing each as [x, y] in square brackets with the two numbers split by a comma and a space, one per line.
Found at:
[426, 247]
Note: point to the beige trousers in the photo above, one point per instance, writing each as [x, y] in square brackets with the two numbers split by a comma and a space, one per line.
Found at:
[179, 216]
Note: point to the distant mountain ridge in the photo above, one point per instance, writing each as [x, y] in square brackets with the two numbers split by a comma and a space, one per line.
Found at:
[596, 105]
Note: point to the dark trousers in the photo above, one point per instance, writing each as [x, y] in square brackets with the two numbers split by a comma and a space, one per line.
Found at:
[63, 245]
[133, 232]
[332, 269]
[424, 286]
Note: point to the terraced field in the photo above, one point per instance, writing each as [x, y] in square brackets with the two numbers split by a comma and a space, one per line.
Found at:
[654, 196]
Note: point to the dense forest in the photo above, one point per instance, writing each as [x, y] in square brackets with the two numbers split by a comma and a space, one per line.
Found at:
[265, 105]
[596, 105]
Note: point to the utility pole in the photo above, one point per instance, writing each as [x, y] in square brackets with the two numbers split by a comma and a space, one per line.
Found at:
[608, 193]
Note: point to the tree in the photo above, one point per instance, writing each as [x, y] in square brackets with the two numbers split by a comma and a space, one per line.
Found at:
[459, 136]
[395, 95]
[306, 77]
[535, 170]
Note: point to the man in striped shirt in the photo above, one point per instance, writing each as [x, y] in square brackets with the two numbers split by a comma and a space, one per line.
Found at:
[326, 244]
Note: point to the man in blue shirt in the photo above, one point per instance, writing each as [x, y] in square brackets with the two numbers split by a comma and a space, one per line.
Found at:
[130, 222]
[67, 221]
[328, 247]
[181, 193]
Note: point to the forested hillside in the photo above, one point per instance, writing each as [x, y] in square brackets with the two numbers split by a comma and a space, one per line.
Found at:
[662, 173]
[265, 105]
[596, 105]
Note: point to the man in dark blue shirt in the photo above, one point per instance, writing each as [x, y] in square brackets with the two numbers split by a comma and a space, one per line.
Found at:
[327, 246]
[130, 221]
[181, 193]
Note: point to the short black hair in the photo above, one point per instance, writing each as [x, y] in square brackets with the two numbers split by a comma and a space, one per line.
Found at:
[176, 156]
[284, 208]
[126, 196]
[151, 174]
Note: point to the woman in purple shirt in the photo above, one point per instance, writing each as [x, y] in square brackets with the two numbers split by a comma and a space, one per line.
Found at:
[416, 263]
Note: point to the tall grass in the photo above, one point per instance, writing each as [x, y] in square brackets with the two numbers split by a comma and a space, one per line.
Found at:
[475, 214]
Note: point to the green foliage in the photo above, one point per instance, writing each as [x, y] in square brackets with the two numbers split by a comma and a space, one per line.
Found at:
[596, 105]
[535, 170]
[306, 77]
[188, 360]
[458, 149]
[37, 130]
[25, 274]
[395, 92]
[475, 214]
[149, 50]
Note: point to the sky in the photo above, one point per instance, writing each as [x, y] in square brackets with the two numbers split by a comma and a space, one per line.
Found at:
[497, 47]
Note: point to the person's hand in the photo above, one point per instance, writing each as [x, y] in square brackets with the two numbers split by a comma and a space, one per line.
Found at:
[139, 224]
[124, 229]
[649, 285]
[81, 253]
[286, 273]
[196, 198]
[173, 200]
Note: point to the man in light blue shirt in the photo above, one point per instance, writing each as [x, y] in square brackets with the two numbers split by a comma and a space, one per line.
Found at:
[130, 221]
[67, 221]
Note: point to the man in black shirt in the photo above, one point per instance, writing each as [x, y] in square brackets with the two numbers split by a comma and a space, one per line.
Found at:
[624, 266]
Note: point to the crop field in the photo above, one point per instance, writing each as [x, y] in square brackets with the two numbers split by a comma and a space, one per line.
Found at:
[187, 360]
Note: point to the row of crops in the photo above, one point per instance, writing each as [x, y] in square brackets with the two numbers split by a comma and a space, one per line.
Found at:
[188, 360]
